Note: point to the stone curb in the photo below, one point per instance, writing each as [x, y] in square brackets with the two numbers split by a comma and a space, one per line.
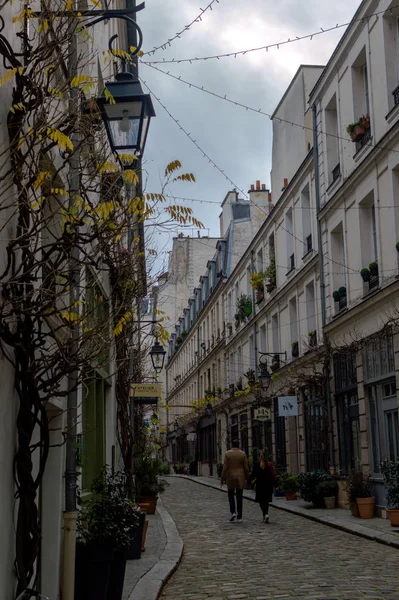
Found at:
[150, 586]
[355, 529]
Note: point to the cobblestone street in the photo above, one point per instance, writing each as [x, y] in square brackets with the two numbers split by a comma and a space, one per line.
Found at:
[292, 557]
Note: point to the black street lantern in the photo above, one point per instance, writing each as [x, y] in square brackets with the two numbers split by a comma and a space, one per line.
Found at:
[264, 376]
[126, 114]
[208, 410]
[157, 354]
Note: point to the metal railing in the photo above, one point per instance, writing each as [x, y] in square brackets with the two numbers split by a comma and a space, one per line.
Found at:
[395, 94]
[363, 141]
[374, 281]
[309, 243]
[292, 262]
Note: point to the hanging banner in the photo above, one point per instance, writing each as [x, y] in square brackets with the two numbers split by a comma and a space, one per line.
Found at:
[287, 406]
[262, 413]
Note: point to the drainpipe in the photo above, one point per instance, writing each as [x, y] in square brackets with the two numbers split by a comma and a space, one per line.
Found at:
[326, 367]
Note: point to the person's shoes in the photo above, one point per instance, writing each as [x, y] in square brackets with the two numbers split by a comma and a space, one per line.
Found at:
[239, 520]
[233, 517]
[266, 519]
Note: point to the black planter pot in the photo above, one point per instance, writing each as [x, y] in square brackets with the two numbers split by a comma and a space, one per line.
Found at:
[193, 468]
[366, 276]
[117, 576]
[133, 552]
[92, 572]
[295, 351]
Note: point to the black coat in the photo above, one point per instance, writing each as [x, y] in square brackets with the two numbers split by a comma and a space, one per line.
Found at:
[265, 480]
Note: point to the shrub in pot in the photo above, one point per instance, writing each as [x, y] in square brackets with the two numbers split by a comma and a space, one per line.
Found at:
[390, 473]
[365, 500]
[328, 490]
[309, 486]
[354, 486]
[373, 267]
[105, 526]
[365, 273]
[289, 485]
[149, 483]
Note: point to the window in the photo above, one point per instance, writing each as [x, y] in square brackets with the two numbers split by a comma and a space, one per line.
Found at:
[316, 430]
[252, 365]
[232, 370]
[289, 240]
[244, 432]
[310, 307]
[391, 42]
[360, 89]
[234, 428]
[332, 141]
[259, 261]
[275, 336]
[249, 286]
[262, 335]
[338, 258]
[208, 444]
[379, 376]
[347, 404]
[368, 235]
[293, 316]
[229, 309]
[239, 362]
[306, 220]
[279, 429]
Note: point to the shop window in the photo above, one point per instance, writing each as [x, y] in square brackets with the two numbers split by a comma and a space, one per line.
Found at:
[234, 428]
[347, 404]
[244, 432]
[316, 430]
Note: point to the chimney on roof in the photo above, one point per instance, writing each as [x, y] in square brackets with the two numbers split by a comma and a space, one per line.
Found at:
[263, 187]
[285, 184]
[252, 187]
[257, 185]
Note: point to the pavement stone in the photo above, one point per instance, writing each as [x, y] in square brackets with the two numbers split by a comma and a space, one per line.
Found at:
[292, 557]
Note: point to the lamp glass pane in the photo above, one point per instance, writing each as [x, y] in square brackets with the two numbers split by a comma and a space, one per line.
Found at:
[122, 139]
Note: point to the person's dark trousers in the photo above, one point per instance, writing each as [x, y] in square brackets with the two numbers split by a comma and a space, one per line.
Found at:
[264, 508]
[238, 493]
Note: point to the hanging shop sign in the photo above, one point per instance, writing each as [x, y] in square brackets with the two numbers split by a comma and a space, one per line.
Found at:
[145, 393]
[263, 413]
[287, 406]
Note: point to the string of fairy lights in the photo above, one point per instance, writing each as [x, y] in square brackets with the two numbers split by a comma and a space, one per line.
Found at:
[180, 33]
[266, 47]
[259, 111]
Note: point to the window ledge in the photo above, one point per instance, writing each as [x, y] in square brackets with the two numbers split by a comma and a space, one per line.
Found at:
[340, 312]
[359, 154]
[391, 116]
[290, 272]
[333, 185]
[306, 257]
[369, 293]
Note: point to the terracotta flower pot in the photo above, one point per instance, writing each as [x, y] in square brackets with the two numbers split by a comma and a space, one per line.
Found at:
[330, 502]
[152, 503]
[366, 507]
[290, 495]
[394, 517]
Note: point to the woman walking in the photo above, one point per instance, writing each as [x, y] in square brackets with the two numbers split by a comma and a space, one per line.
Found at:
[265, 480]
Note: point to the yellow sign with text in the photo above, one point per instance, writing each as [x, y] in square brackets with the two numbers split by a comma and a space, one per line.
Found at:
[146, 390]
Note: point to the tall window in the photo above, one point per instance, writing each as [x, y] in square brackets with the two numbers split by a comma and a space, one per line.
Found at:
[379, 377]
[347, 405]
[275, 336]
[259, 261]
[306, 220]
[310, 307]
[368, 230]
[262, 337]
[234, 429]
[280, 440]
[332, 140]
[244, 432]
[93, 429]
[391, 42]
[316, 429]
[293, 315]
[289, 227]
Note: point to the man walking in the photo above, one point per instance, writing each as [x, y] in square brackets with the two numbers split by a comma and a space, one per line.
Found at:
[235, 473]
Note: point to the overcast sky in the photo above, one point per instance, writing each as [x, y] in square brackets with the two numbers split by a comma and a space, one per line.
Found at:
[237, 140]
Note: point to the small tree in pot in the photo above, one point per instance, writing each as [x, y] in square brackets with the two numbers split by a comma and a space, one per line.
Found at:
[365, 499]
[148, 481]
[105, 527]
[328, 490]
[390, 472]
[289, 485]
[353, 486]
[309, 486]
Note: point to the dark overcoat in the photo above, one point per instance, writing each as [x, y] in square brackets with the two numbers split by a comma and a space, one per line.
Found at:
[265, 480]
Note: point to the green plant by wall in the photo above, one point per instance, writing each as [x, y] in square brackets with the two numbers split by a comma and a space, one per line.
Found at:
[390, 473]
[309, 486]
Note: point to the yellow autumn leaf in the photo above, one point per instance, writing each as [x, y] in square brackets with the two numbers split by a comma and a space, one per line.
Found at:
[43, 175]
[8, 76]
[107, 167]
[122, 322]
[76, 81]
[60, 139]
[108, 96]
[127, 158]
[131, 177]
[70, 316]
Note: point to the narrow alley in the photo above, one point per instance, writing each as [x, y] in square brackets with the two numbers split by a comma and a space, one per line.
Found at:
[292, 557]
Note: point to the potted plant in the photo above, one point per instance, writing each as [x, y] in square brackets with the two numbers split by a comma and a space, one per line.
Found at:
[289, 485]
[353, 487]
[270, 274]
[342, 292]
[244, 307]
[148, 481]
[373, 268]
[105, 527]
[390, 472]
[336, 296]
[312, 338]
[178, 340]
[365, 500]
[295, 349]
[328, 490]
[365, 273]
[356, 130]
[309, 486]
